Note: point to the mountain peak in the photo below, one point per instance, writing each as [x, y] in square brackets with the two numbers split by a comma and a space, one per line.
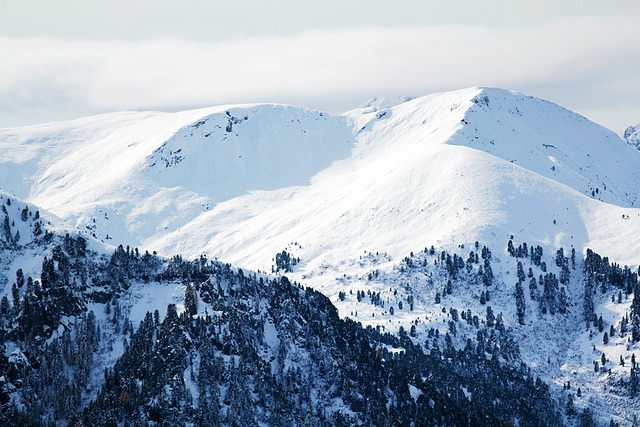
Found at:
[553, 142]
[394, 199]
[383, 102]
[158, 177]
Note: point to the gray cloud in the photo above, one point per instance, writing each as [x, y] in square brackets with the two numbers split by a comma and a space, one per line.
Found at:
[585, 64]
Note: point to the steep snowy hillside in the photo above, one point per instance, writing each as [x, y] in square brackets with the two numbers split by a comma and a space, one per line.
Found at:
[440, 170]
[133, 176]
[88, 342]
[25, 234]
[632, 136]
[244, 183]
[553, 142]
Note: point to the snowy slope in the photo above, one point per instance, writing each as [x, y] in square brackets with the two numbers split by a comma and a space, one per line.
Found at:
[418, 176]
[132, 176]
[26, 234]
[243, 183]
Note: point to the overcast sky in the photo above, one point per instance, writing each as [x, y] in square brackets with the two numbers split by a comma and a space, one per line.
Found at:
[65, 59]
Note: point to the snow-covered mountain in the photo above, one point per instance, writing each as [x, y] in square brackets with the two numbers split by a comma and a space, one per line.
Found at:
[448, 169]
[133, 177]
[356, 199]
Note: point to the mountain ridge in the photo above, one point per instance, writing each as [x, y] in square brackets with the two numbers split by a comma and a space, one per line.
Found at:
[157, 189]
[385, 211]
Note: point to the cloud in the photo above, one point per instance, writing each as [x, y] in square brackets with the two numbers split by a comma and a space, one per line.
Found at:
[586, 64]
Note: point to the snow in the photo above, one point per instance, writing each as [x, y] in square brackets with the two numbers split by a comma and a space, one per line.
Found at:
[415, 392]
[148, 297]
[134, 175]
[372, 179]
[26, 255]
[393, 195]
[353, 194]
[272, 342]
[191, 383]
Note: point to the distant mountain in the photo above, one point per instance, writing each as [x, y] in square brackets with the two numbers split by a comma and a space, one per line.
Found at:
[136, 176]
[404, 213]
[447, 169]
[207, 181]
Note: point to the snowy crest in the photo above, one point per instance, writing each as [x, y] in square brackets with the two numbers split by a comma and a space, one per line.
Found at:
[553, 142]
[379, 103]
[265, 147]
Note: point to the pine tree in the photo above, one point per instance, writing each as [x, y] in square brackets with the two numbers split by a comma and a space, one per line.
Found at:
[635, 314]
[570, 406]
[520, 302]
[19, 278]
[15, 294]
[634, 380]
[520, 272]
[562, 301]
[490, 316]
[37, 229]
[4, 305]
[191, 299]
[8, 236]
[588, 297]
[586, 420]
[487, 277]
[533, 288]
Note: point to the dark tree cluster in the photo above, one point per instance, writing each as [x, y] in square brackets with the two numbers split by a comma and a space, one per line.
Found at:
[600, 275]
[284, 262]
[524, 251]
[236, 385]
[271, 352]
[9, 235]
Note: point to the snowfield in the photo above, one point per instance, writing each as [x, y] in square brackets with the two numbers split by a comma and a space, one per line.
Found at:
[241, 183]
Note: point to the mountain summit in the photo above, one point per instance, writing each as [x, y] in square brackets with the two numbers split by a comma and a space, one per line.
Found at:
[449, 168]
[481, 225]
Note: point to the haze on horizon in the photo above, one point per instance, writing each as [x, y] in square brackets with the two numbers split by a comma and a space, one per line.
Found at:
[76, 58]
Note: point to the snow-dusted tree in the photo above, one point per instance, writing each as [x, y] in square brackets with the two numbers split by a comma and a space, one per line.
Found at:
[191, 299]
[520, 302]
[490, 316]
